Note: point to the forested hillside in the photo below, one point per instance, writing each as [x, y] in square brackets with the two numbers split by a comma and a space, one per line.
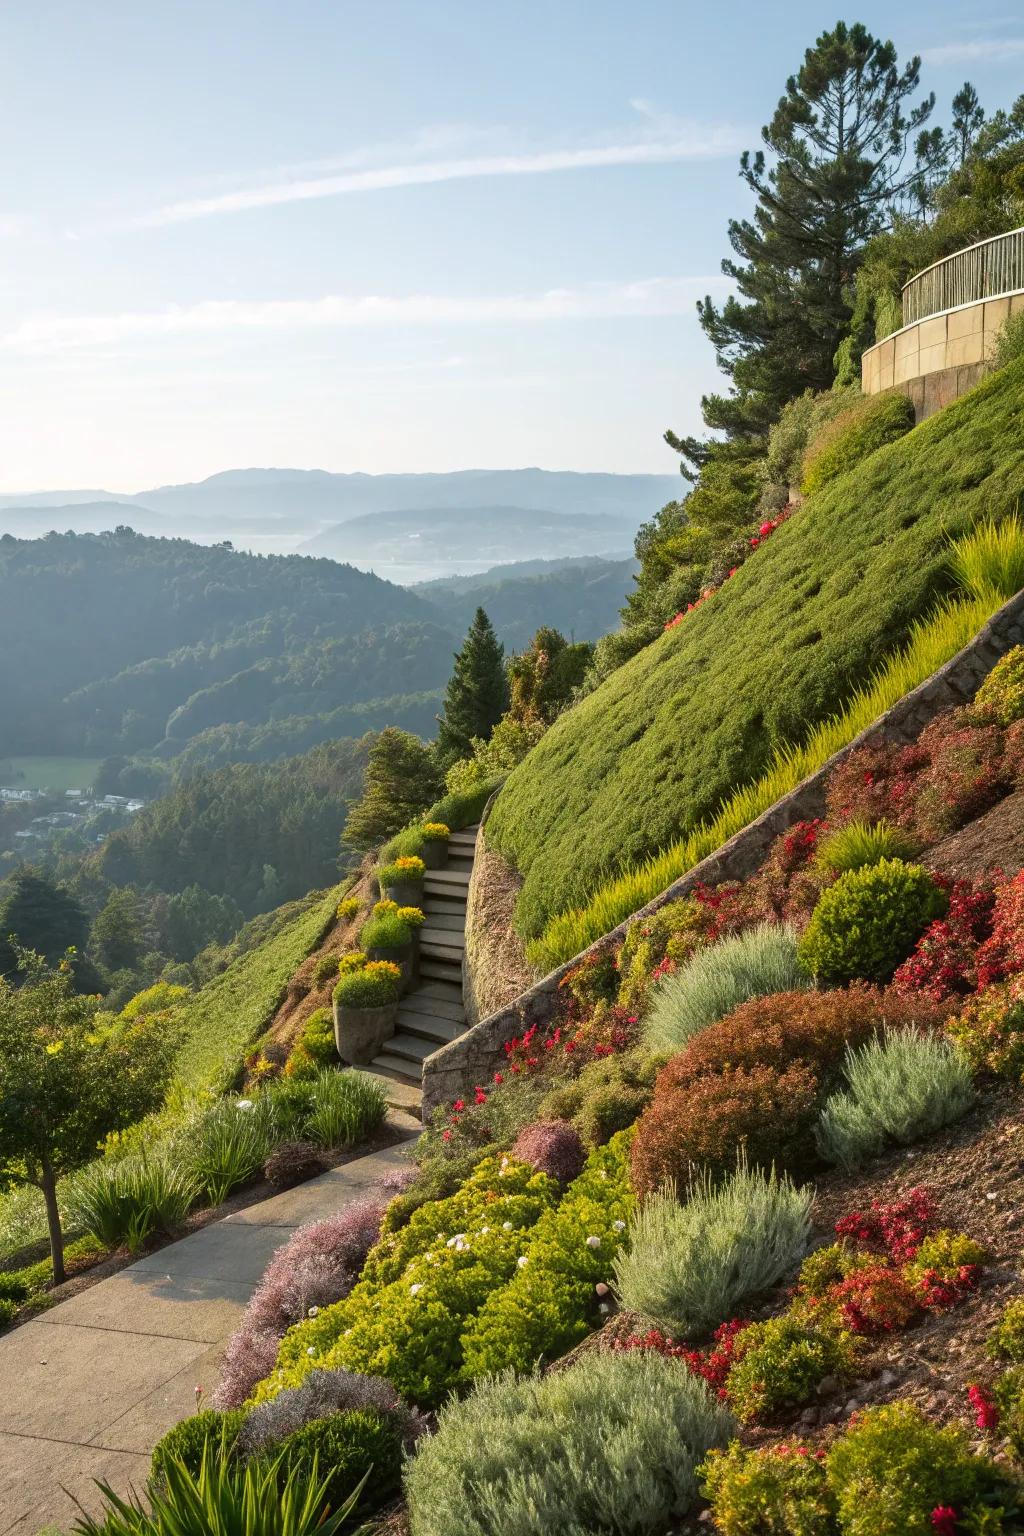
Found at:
[582, 599]
[115, 642]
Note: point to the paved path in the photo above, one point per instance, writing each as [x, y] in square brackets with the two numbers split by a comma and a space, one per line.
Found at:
[88, 1388]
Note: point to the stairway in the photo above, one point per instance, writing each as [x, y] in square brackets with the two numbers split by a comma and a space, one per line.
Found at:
[431, 1013]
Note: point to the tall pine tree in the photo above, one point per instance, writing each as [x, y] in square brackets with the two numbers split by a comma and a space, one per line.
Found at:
[401, 781]
[477, 694]
[836, 167]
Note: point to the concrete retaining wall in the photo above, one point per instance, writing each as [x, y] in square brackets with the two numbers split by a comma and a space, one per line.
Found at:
[937, 360]
[475, 1055]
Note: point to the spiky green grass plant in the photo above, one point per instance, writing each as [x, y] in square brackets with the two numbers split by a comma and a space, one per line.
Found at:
[124, 1203]
[859, 844]
[346, 1108]
[989, 563]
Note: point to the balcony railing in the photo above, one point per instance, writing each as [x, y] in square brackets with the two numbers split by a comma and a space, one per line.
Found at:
[987, 270]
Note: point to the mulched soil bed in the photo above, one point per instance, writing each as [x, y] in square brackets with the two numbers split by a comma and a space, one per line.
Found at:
[992, 841]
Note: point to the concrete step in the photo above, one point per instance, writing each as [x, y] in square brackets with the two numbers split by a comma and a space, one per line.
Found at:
[445, 991]
[427, 1027]
[405, 1093]
[432, 969]
[447, 938]
[411, 1048]
[462, 842]
[439, 954]
[434, 1007]
[457, 864]
[397, 1070]
[445, 882]
[451, 922]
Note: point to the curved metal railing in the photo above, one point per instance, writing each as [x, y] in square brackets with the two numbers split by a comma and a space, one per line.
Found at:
[987, 270]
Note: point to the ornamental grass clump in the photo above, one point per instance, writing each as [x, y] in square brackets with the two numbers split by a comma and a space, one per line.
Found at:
[226, 1145]
[757, 963]
[689, 1265]
[899, 1089]
[346, 1107]
[989, 561]
[870, 920]
[859, 844]
[124, 1203]
[373, 985]
[610, 1444]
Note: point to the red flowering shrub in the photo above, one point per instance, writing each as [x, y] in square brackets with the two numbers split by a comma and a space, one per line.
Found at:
[552, 1147]
[869, 785]
[768, 1111]
[875, 1299]
[944, 963]
[1002, 954]
[895, 1227]
[711, 1365]
[594, 980]
[986, 1409]
[964, 774]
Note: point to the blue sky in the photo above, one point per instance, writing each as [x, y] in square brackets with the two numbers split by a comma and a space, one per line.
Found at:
[387, 235]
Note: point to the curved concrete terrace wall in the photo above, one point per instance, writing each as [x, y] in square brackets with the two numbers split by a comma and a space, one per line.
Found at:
[475, 1055]
[936, 360]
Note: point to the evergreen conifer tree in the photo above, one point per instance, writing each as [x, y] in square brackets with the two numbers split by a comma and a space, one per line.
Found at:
[477, 694]
[401, 781]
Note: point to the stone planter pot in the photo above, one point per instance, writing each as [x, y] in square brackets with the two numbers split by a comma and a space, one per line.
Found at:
[407, 893]
[361, 1033]
[435, 855]
[402, 955]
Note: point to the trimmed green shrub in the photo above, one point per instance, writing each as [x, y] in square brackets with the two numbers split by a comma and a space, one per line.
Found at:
[420, 1285]
[689, 1266]
[777, 1490]
[757, 963]
[989, 1030]
[347, 908]
[123, 1203]
[317, 1037]
[868, 922]
[388, 931]
[1001, 696]
[609, 1445]
[361, 1446]
[405, 867]
[13, 1286]
[373, 985]
[893, 1468]
[608, 1096]
[858, 845]
[463, 809]
[1006, 1341]
[866, 425]
[186, 1443]
[899, 1088]
[551, 1303]
[345, 1108]
[325, 968]
[778, 1364]
[8, 1310]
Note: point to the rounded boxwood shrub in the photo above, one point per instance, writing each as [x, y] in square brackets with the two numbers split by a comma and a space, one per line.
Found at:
[347, 1446]
[866, 425]
[374, 985]
[186, 1442]
[325, 968]
[778, 1364]
[777, 1490]
[868, 921]
[1001, 696]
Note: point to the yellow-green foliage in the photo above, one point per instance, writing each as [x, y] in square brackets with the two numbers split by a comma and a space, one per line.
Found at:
[224, 1018]
[551, 1304]
[870, 920]
[1001, 695]
[703, 728]
[989, 563]
[861, 429]
[405, 1319]
[158, 998]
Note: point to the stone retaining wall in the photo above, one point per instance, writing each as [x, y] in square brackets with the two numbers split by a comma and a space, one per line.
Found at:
[475, 1055]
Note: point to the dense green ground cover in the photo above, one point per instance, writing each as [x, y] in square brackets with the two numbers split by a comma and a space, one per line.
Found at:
[665, 739]
[230, 1013]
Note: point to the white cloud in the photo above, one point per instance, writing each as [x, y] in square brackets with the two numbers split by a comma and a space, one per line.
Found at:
[980, 50]
[645, 298]
[665, 141]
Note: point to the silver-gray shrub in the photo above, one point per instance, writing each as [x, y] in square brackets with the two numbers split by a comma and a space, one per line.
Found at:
[608, 1445]
[756, 963]
[899, 1088]
[321, 1394]
[690, 1264]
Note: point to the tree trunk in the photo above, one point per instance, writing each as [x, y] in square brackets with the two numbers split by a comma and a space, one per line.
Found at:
[49, 1188]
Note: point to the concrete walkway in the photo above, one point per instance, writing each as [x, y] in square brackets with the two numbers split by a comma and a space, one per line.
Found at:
[88, 1388]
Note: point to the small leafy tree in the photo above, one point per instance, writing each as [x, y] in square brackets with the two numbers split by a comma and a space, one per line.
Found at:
[66, 1079]
[117, 939]
[477, 693]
